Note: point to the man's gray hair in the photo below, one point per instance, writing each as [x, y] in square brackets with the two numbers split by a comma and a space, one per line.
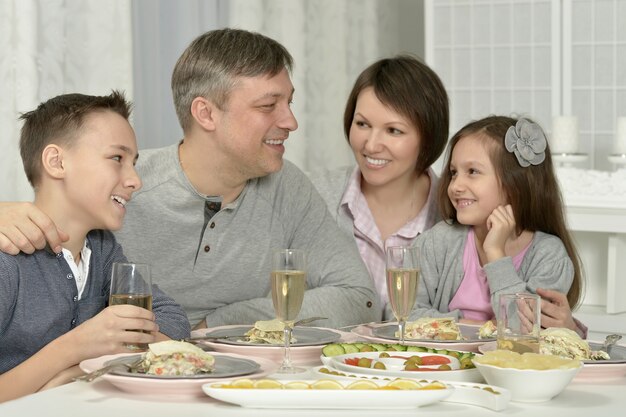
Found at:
[210, 65]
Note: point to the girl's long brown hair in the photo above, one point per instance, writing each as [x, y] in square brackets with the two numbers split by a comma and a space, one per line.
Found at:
[533, 191]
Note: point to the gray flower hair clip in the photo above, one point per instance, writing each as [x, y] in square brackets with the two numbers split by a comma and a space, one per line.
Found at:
[527, 141]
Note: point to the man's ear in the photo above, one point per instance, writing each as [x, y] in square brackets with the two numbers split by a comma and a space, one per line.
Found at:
[204, 113]
[52, 161]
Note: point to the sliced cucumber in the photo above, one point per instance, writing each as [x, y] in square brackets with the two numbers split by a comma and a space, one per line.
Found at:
[399, 348]
[379, 347]
[350, 347]
[416, 349]
[333, 349]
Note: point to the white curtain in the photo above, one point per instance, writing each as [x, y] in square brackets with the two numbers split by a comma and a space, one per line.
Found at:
[331, 42]
[51, 47]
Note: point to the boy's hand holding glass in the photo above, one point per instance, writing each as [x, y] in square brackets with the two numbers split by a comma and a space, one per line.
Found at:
[131, 284]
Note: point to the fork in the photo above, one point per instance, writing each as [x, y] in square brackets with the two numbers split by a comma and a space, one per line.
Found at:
[133, 366]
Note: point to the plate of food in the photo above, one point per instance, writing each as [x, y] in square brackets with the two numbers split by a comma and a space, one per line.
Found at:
[407, 364]
[270, 333]
[431, 332]
[329, 393]
[176, 369]
[471, 392]
[304, 351]
[597, 364]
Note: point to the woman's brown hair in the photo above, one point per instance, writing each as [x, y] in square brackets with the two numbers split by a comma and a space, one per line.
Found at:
[412, 89]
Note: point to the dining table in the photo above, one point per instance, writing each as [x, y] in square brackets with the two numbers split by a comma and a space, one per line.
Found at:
[101, 399]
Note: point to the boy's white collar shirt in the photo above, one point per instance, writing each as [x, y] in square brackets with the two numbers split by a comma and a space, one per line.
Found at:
[80, 271]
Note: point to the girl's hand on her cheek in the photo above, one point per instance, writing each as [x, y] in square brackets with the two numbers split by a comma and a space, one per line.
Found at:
[501, 225]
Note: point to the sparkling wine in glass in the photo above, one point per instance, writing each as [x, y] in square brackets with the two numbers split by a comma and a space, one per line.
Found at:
[402, 279]
[288, 282]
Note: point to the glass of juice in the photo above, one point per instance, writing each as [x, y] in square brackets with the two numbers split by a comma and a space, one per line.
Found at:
[131, 283]
[519, 322]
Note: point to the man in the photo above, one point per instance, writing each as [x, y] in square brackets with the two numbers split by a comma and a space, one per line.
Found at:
[214, 205]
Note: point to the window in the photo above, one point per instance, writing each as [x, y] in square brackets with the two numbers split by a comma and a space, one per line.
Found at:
[539, 58]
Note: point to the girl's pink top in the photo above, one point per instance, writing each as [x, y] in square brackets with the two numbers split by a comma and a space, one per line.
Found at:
[473, 297]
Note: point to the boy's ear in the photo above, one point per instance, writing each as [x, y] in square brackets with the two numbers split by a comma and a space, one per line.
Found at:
[52, 161]
[204, 112]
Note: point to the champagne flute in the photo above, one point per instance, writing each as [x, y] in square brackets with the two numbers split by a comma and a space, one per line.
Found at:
[131, 283]
[402, 279]
[288, 282]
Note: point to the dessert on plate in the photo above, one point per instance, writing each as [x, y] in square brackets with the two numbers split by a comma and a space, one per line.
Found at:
[268, 331]
[176, 358]
[442, 328]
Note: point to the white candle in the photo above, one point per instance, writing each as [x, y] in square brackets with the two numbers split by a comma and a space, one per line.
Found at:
[564, 135]
[619, 146]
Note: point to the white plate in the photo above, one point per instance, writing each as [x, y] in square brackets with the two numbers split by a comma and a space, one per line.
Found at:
[300, 355]
[471, 393]
[327, 399]
[225, 367]
[166, 386]
[468, 332]
[366, 331]
[395, 369]
[592, 370]
[305, 336]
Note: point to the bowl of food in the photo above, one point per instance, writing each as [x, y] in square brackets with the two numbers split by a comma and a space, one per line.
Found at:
[530, 377]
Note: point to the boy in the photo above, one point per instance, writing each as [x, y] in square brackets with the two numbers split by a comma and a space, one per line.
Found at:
[79, 154]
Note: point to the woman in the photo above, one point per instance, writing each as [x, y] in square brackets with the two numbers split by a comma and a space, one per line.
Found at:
[396, 122]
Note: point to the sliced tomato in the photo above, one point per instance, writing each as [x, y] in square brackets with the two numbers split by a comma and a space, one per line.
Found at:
[351, 361]
[435, 360]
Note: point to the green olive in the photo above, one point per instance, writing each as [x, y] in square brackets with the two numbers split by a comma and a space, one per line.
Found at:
[364, 363]
[379, 365]
[411, 366]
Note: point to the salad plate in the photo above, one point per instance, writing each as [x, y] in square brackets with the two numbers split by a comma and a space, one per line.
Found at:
[395, 367]
[613, 368]
[385, 333]
[225, 366]
[301, 353]
[327, 398]
[169, 387]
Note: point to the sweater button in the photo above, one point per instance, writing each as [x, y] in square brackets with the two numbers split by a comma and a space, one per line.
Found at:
[369, 304]
[75, 298]
[212, 225]
[73, 322]
[69, 276]
[207, 248]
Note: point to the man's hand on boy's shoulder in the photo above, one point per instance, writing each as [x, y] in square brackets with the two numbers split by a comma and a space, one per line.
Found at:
[25, 228]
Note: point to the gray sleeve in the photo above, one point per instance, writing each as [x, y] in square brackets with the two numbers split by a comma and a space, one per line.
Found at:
[545, 265]
[339, 286]
[431, 302]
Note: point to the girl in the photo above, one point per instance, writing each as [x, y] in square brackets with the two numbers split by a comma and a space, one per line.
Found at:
[505, 230]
